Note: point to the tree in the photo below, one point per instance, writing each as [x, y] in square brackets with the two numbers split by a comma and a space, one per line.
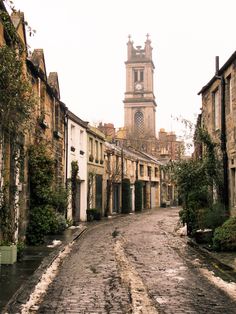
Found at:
[113, 176]
[199, 180]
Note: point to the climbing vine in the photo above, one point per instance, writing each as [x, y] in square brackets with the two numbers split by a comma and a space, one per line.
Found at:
[16, 105]
[199, 181]
[74, 182]
[47, 207]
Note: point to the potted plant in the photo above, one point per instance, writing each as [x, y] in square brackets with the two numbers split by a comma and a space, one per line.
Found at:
[8, 252]
[8, 248]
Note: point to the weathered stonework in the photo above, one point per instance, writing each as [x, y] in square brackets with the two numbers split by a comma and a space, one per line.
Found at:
[211, 113]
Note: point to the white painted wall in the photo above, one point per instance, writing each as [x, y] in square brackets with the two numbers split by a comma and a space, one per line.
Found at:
[77, 137]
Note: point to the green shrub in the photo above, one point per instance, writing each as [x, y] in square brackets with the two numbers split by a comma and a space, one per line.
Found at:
[188, 217]
[138, 195]
[44, 220]
[40, 222]
[59, 200]
[58, 224]
[225, 236]
[126, 196]
[20, 249]
[212, 217]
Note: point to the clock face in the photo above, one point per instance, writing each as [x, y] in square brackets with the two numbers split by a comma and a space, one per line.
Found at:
[138, 86]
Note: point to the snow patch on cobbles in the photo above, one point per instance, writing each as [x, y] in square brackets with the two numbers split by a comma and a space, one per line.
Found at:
[141, 302]
[182, 231]
[40, 289]
[75, 227]
[228, 287]
[54, 243]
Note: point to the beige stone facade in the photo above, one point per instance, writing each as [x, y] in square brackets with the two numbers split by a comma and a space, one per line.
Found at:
[139, 102]
[47, 123]
[140, 108]
[218, 117]
[127, 163]
[95, 167]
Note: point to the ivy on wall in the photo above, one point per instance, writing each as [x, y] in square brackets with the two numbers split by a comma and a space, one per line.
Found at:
[16, 104]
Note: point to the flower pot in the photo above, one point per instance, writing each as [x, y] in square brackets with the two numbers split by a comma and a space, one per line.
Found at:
[203, 236]
[8, 254]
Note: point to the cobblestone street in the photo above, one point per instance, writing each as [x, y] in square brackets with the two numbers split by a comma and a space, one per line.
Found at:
[137, 264]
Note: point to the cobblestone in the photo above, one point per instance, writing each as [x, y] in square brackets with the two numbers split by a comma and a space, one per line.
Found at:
[159, 272]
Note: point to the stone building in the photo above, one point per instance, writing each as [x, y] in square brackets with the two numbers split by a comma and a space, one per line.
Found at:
[76, 143]
[127, 163]
[47, 121]
[140, 108]
[95, 157]
[108, 130]
[50, 112]
[218, 117]
[139, 102]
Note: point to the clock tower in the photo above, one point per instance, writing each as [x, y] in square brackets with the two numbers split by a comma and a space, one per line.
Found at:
[139, 102]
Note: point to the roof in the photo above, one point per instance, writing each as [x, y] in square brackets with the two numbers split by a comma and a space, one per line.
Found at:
[221, 71]
[37, 58]
[76, 119]
[133, 153]
[95, 132]
[54, 83]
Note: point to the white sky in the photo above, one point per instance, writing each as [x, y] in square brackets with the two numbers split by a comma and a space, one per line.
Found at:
[85, 42]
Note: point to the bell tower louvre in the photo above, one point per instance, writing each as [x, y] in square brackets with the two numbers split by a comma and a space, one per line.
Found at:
[139, 102]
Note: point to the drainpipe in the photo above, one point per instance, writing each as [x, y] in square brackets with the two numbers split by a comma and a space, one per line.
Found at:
[122, 178]
[225, 194]
[66, 145]
[223, 145]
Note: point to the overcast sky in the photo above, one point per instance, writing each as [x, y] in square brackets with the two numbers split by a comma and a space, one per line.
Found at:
[85, 42]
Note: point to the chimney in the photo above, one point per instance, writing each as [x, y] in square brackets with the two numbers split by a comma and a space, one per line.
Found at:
[217, 65]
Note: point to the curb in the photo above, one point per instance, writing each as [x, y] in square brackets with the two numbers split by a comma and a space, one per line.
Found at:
[227, 269]
[22, 295]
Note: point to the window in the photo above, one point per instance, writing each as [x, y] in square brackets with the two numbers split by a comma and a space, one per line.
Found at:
[141, 76]
[139, 122]
[216, 109]
[135, 76]
[72, 134]
[57, 115]
[90, 146]
[132, 168]
[117, 163]
[101, 152]
[124, 165]
[42, 97]
[228, 94]
[81, 139]
[96, 151]
[156, 171]
[141, 170]
[149, 171]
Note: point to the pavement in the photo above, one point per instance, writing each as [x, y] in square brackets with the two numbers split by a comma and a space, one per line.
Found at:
[20, 279]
